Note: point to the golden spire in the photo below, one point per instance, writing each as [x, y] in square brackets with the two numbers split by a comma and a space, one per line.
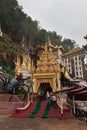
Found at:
[17, 63]
[32, 68]
[28, 62]
[45, 47]
[23, 65]
[50, 46]
[49, 42]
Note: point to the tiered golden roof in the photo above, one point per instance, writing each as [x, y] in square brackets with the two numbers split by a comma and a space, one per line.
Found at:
[46, 62]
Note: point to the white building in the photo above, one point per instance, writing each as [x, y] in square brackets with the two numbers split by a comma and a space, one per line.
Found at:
[73, 60]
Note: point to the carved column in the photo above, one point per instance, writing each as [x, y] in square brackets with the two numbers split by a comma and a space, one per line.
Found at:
[58, 80]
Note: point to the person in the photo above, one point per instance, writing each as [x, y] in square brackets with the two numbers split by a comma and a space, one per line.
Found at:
[51, 94]
[48, 96]
[19, 76]
[53, 100]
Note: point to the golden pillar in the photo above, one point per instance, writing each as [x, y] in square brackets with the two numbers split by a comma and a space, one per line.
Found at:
[58, 80]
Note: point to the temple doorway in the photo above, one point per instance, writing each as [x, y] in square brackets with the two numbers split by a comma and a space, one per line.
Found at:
[42, 91]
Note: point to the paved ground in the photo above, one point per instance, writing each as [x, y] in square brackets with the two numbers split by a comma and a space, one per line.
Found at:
[41, 124]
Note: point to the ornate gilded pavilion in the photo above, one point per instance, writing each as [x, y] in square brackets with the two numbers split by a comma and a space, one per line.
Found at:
[47, 71]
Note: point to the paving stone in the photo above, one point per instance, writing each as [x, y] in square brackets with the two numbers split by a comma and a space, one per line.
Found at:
[41, 124]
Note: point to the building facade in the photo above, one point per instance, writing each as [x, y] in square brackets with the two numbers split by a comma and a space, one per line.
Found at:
[75, 62]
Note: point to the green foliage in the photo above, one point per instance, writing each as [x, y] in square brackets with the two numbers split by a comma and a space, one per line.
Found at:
[68, 44]
[20, 28]
[17, 25]
[42, 35]
[19, 91]
[8, 70]
[11, 16]
[8, 53]
[30, 29]
[56, 39]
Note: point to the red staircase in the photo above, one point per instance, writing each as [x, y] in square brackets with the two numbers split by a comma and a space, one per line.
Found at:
[27, 112]
[54, 112]
[42, 109]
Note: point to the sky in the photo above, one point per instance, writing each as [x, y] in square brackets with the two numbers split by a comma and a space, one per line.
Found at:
[67, 17]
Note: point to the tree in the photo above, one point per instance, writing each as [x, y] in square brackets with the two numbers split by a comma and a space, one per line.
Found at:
[42, 35]
[11, 16]
[18, 25]
[30, 29]
[56, 39]
[68, 44]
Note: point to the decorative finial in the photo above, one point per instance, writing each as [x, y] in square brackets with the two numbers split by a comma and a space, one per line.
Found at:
[45, 47]
[49, 44]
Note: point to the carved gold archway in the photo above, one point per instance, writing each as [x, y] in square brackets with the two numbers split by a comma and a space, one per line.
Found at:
[44, 78]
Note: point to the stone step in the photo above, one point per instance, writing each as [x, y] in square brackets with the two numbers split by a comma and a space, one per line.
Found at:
[9, 107]
[6, 97]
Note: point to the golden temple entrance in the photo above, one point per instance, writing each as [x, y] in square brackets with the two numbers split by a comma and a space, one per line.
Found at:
[46, 72]
[43, 82]
[44, 78]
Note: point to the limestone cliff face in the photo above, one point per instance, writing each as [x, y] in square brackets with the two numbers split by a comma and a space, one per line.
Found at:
[8, 52]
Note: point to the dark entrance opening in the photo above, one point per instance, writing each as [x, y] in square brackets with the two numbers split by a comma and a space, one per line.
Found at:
[42, 91]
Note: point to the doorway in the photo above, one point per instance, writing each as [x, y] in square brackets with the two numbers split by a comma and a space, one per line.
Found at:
[42, 91]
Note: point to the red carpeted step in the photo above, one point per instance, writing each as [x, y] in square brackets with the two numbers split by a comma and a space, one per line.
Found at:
[27, 112]
[56, 113]
[42, 109]
[67, 114]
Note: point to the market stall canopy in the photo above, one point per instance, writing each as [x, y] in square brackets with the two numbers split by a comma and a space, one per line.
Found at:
[67, 89]
[75, 90]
